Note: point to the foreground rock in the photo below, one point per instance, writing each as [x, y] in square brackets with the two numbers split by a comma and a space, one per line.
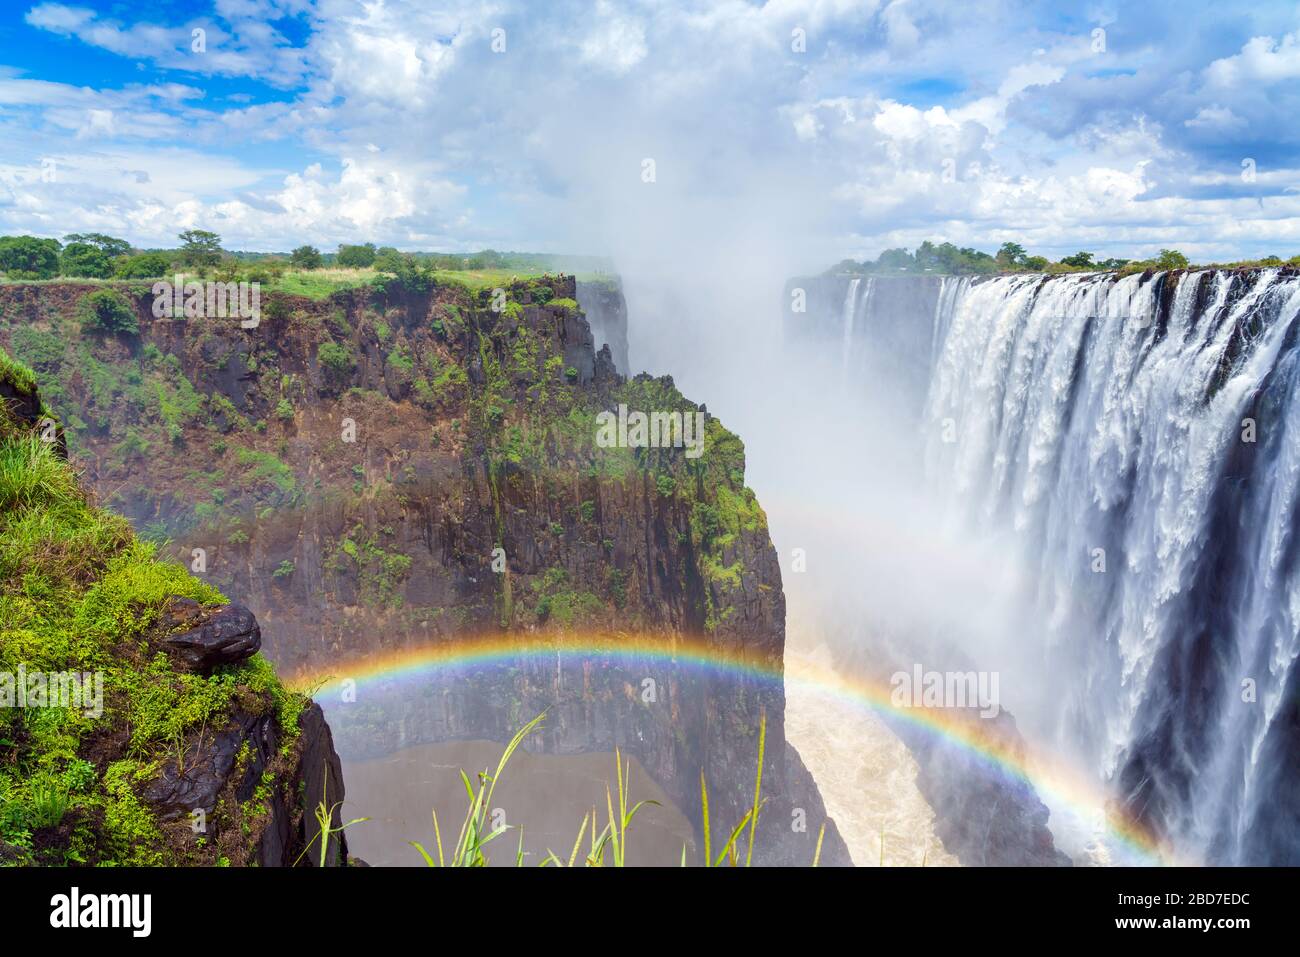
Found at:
[211, 636]
[166, 739]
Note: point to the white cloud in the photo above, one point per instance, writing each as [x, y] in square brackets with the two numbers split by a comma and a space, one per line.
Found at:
[250, 48]
[426, 135]
[1262, 60]
[1216, 118]
[616, 43]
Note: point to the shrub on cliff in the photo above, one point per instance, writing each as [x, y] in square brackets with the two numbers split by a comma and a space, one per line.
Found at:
[109, 312]
[408, 274]
[336, 358]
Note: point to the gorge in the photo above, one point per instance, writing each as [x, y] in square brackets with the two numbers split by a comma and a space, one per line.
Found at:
[396, 472]
[1076, 492]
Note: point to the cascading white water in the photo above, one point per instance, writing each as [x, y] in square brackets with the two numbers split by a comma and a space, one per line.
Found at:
[850, 312]
[1137, 442]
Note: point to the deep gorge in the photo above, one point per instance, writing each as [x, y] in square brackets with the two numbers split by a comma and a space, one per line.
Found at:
[348, 470]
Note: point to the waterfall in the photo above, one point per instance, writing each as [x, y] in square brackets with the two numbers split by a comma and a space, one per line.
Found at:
[950, 289]
[1137, 442]
[850, 310]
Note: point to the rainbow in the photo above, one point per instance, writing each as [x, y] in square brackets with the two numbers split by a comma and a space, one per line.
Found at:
[1059, 784]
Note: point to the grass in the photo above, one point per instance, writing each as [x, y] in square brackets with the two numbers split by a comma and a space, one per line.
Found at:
[319, 283]
[479, 279]
[16, 374]
[474, 836]
[79, 593]
[324, 813]
[609, 845]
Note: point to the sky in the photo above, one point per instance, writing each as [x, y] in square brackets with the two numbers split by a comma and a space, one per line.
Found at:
[827, 128]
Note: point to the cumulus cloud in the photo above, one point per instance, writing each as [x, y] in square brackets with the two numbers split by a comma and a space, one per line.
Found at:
[1263, 60]
[892, 122]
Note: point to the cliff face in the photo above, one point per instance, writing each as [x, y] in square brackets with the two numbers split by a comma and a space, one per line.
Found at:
[140, 726]
[349, 468]
[602, 302]
[879, 326]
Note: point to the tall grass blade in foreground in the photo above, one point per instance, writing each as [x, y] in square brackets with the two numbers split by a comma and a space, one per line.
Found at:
[324, 812]
[613, 837]
[472, 839]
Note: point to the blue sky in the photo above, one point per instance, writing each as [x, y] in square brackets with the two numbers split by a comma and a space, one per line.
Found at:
[834, 127]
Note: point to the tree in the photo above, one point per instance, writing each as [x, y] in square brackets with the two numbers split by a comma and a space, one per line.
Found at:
[305, 257]
[27, 257]
[110, 246]
[1036, 263]
[387, 259]
[83, 259]
[1079, 260]
[413, 276]
[107, 311]
[142, 266]
[895, 259]
[1171, 259]
[1113, 263]
[356, 257]
[1011, 256]
[199, 247]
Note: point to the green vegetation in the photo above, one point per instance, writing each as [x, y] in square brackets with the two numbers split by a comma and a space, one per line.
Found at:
[27, 257]
[304, 271]
[559, 602]
[948, 259]
[305, 257]
[324, 813]
[41, 350]
[336, 358]
[108, 311]
[16, 375]
[266, 469]
[143, 266]
[83, 259]
[200, 247]
[380, 574]
[79, 593]
[355, 257]
[474, 834]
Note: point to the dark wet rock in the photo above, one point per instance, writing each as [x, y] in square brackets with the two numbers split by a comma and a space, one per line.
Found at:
[28, 411]
[214, 636]
[277, 793]
[606, 310]
[985, 815]
[197, 780]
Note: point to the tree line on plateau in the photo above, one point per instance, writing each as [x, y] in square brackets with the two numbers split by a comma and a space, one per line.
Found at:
[951, 260]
